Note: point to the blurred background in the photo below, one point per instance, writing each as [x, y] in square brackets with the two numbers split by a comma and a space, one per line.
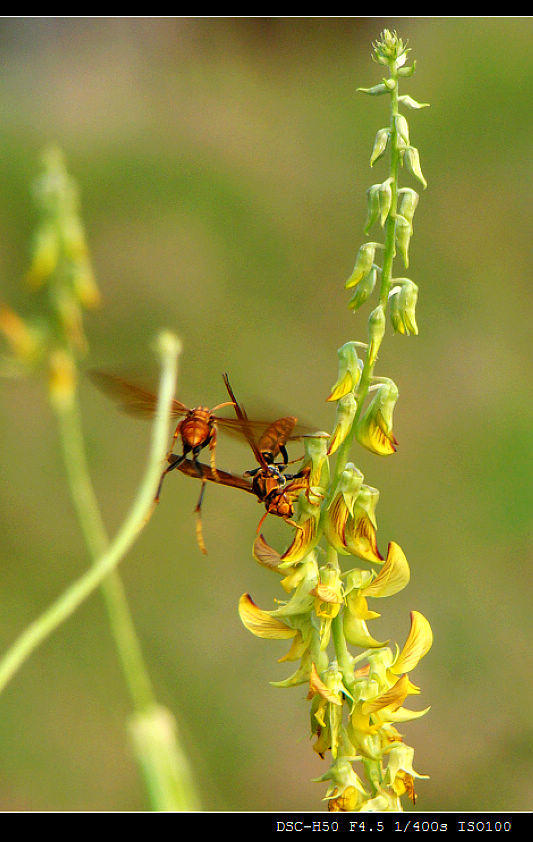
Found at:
[223, 165]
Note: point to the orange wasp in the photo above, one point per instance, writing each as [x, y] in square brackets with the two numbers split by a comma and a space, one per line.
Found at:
[198, 429]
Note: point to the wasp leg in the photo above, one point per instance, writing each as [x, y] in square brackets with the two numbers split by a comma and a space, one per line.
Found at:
[176, 462]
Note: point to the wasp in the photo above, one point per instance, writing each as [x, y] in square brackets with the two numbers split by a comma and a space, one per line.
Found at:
[197, 428]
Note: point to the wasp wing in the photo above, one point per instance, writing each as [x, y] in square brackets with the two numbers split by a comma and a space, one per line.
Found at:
[131, 397]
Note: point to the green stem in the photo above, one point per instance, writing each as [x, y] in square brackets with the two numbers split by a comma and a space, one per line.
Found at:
[386, 277]
[65, 605]
[122, 627]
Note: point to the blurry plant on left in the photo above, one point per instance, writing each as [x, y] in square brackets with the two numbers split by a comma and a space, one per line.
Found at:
[52, 342]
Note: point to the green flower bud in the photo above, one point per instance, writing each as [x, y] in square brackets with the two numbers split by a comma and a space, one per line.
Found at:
[363, 263]
[380, 144]
[376, 331]
[403, 231]
[402, 129]
[346, 408]
[412, 103]
[385, 199]
[364, 289]
[402, 299]
[372, 203]
[376, 90]
[408, 203]
[412, 161]
[390, 49]
[349, 371]
[407, 70]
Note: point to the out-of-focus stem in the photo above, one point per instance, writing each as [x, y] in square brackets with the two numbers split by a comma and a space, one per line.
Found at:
[65, 605]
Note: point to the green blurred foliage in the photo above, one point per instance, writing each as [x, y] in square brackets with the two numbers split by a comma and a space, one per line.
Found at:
[223, 165]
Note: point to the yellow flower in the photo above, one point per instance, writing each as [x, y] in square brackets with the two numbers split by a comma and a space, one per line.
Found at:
[374, 428]
[346, 408]
[360, 533]
[349, 371]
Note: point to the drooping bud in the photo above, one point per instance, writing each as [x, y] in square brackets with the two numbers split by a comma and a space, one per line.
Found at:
[374, 428]
[412, 161]
[402, 130]
[405, 99]
[346, 408]
[375, 90]
[403, 231]
[402, 306]
[408, 203]
[380, 144]
[385, 199]
[372, 204]
[349, 371]
[363, 263]
[364, 289]
[376, 331]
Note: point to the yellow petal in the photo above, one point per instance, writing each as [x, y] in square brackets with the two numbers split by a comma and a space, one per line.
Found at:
[394, 697]
[261, 623]
[316, 685]
[418, 643]
[360, 539]
[371, 436]
[344, 385]
[393, 576]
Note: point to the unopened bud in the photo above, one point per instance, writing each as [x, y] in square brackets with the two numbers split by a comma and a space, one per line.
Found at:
[346, 408]
[412, 161]
[380, 144]
[363, 263]
[349, 371]
[372, 204]
[376, 331]
[408, 203]
[403, 230]
[402, 129]
[412, 103]
[375, 90]
[402, 301]
[364, 289]
[385, 199]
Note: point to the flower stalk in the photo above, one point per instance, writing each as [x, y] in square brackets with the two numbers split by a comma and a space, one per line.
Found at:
[357, 683]
[61, 275]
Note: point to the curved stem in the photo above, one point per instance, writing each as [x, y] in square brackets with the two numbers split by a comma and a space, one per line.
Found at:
[94, 532]
[65, 605]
